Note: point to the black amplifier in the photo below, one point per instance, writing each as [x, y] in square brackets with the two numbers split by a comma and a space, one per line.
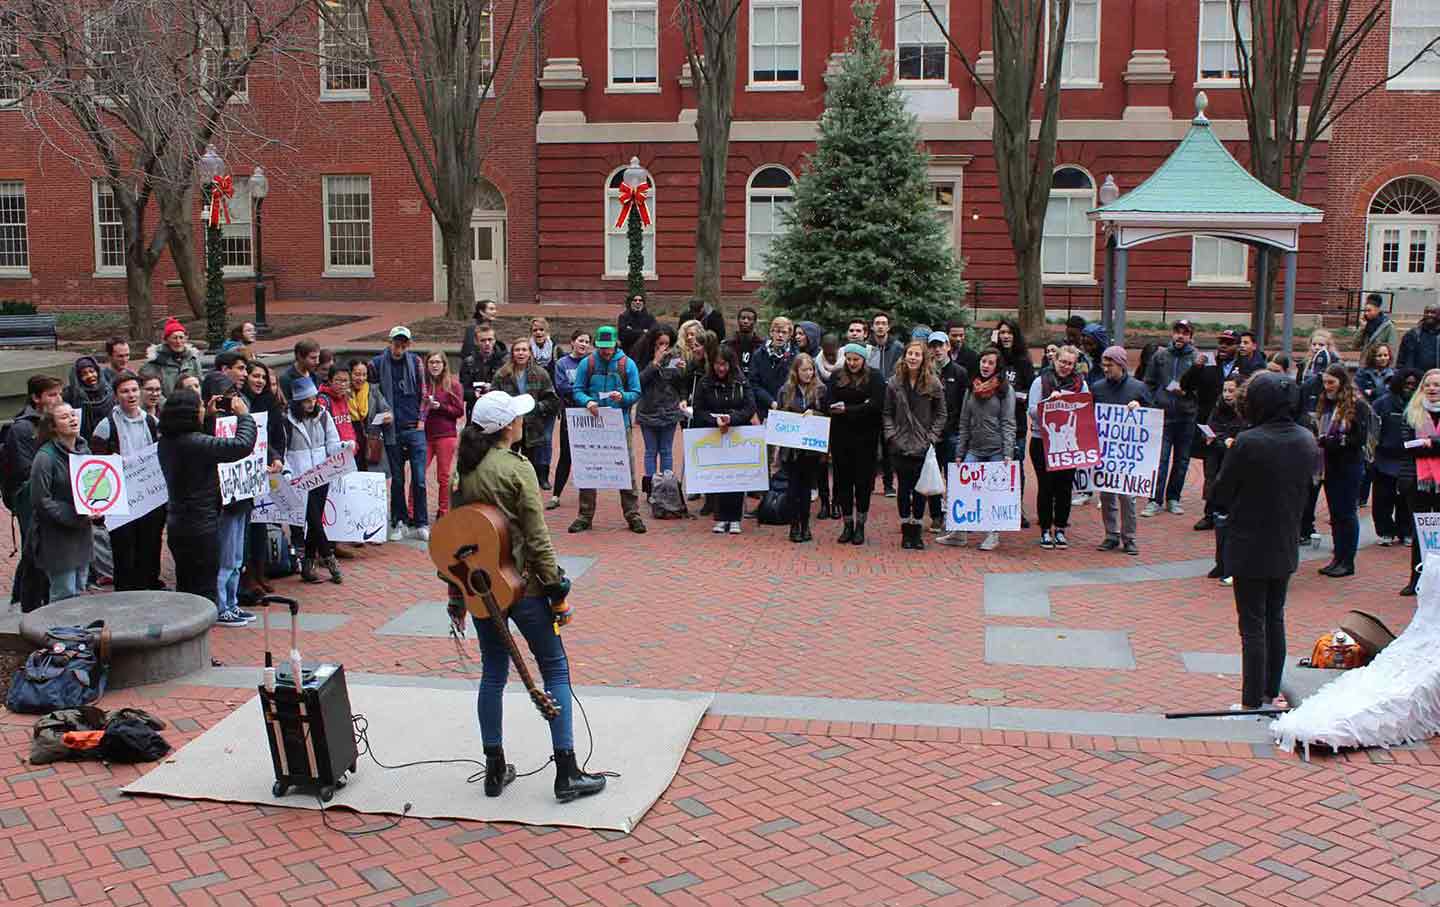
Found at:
[312, 740]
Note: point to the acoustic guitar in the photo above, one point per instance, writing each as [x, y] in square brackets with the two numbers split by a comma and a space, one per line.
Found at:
[470, 546]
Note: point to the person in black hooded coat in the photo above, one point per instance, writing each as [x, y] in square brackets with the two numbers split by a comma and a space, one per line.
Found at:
[1263, 487]
[633, 324]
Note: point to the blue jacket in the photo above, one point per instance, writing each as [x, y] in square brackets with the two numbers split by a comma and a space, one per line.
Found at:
[596, 377]
[414, 384]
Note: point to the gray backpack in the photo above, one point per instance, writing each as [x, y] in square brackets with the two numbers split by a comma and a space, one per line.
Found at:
[667, 499]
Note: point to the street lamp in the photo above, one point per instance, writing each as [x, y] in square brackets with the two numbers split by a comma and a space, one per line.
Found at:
[636, 185]
[215, 187]
[1109, 191]
[259, 188]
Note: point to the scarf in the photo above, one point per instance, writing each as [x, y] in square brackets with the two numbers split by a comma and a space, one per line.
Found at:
[985, 389]
[1427, 469]
[1051, 382]
[359, 402]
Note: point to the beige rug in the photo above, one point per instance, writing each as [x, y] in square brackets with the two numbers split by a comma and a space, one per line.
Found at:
[642, 738]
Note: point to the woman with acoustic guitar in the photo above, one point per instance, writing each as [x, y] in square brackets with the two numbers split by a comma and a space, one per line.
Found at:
[491, 472]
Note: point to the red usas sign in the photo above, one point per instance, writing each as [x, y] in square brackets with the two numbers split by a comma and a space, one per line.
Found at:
[1068, 432]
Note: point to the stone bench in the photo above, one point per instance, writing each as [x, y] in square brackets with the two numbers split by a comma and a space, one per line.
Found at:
[154, 636]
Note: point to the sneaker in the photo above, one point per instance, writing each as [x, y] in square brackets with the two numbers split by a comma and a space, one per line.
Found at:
[1132, 549]
[889, 492]
[1108, 545]
[1024, 521]
[1384, 541]
[421, 532]
[248, 615]
[1047, 540]
[552, 503]
[953, 539]
[580, 525]
[1228, 581]
[1175, 508]
[1080, 500]
[1204, 524]
[398, 534]
[1151, 509]
[991, 542]
[1060, 540]
[735, 528]
[231, 618]
[544, 484]
[720, 528]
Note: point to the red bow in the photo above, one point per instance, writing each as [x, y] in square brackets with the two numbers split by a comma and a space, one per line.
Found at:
[633, 196]
[223, 188]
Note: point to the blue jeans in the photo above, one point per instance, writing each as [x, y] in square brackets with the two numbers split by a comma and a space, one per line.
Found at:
[409, 447]
[659, 443]
[1342, 496]
[67, 583]
[532, 615]
[231, 533]
[1174, 459]
[547, 445]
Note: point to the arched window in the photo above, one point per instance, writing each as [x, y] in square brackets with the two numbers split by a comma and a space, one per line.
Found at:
[617, 242]
[1067, 252]
[767, 196]
[1403, 225]
[1407, 195]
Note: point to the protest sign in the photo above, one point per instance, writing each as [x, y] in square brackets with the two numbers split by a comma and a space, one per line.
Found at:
[281, 504]
[599, 457]
[97, 485]
[717, 462]
[1129, 449]
[983, 496]
[1427, 532]
[244, 479]
[1067, 431]
[357, 508]
[144, 486]
[324, 472]
[798, 430]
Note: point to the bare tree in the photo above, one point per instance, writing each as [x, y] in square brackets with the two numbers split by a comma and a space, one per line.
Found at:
[442, 71]
[132, 91]
[709, 28]
[1281, 80]
[1019, 31]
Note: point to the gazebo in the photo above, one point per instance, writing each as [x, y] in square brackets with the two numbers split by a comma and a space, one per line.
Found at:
[1200, 190]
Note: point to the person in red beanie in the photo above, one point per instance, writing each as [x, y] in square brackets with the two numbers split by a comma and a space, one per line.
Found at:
[174, 357]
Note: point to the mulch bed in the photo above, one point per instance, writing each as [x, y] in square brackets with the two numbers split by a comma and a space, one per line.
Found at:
[98, 328]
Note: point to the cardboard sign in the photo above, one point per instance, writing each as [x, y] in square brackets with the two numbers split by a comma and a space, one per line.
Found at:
[798, 430]
[281, 504]
[1067, 431]
[324, 472]
[717, 462]
[983, 496]
[144, 486]
[599, 457]
[1129, 449]
[244, 479]
[357, 508]
[97, 484]
[1427, 532]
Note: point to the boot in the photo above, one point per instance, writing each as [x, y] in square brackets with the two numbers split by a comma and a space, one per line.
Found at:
[334, 567]
[795, 530]
[824, 512]
[570, 781]
[847, 534]
[307, 570]
[255, 570]
[645, 486]
[498, 772]
[917, 534]
[906, 539]
[859, 537]
[805, 535]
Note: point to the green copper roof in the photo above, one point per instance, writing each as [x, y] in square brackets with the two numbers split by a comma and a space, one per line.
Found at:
[1201, 177]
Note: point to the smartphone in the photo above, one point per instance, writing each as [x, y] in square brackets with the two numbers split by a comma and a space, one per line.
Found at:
[222, 404]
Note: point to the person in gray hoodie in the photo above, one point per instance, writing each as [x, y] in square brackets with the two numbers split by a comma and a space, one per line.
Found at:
[1174, 377]
[662, 380]
[61, 539]
[1117, 387]
[985, 431]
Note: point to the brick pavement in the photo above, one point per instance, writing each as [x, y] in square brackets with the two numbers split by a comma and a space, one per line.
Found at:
[767, 811]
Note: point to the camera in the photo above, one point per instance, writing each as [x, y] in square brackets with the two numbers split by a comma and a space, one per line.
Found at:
[222, 404]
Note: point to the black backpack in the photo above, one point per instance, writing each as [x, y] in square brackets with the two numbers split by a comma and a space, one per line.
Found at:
[772, 510]
[72, 670]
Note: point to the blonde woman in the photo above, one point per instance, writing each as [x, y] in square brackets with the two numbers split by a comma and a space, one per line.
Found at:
[1052, 497]
[803, 392]
[1322, 356]
[1420, 471]
[913, 419]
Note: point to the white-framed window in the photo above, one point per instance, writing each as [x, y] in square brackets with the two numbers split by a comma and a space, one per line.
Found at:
[224, 36]
[344, 51]
[921, 54]
[236, 239]
[774, 42]
[945, 202]
[1216, 260]
[1219, 49]
[14, 229]
[9, 59]
[348, 239]
[617, 240]
[634, 45]
[109, 232]
[1413, 25]
[103, 57]
[485, 21]
[1081, 63]
[770, 192]
[1067, 251]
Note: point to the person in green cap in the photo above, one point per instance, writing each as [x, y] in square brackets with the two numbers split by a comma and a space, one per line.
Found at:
[607, 377]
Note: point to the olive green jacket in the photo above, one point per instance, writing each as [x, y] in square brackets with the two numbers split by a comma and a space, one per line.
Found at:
[507, 480]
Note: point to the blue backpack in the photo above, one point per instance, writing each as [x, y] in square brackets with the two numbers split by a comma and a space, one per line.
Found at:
[72, 670]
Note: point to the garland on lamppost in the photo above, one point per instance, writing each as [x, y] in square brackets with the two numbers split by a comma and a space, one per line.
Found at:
[635, 233]
[635, 215]
[214, 266]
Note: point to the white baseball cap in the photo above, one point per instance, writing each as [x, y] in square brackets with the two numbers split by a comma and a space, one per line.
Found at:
[497, 409]
[400, 330]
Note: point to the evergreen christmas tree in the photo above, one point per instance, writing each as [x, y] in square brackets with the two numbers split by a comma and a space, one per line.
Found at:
[862, 232]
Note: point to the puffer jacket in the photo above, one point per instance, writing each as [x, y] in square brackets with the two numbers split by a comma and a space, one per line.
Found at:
[60, 538]
[596, 378]
[913, 420]
[731, 397]
[661, 389]
[309, 440]
[174, 366]
[188, 462]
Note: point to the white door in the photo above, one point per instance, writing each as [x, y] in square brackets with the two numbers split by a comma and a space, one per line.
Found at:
[487, 257]
[1401, 255]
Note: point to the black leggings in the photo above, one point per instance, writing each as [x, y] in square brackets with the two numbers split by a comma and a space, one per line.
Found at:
[312, 537]
[854, 475]
[1052, 492]
[562, 466]
[197, 561]
[907, 471]
[801, 471]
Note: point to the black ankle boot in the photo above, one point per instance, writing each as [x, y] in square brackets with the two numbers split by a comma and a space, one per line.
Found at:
[795, 530]
[859, 537]
[848, 533]
[906, 541]
[805, 535]
[645, 485]
[917, 535]
[498, 772]
[824, 512]
[570, 781]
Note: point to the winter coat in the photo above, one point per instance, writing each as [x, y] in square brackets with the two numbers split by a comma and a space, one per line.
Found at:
[745, 347]
[797, 403]
[449, 408]
[547, 402]
[1372, 382]
[1120, 392]
[768, 371]
[661, 389]
[21, 442]
[956, 382]
[94, 403]
[711, 320]
[883, 359]
[412, 381]
[1096, 332]
[1252, 364]
[265, 402]
[731, 397]
[1409, 479]
[1344, 446]
[595, 379]
[1315, 366]
[1170, 365]
[309, 440]
[860, 424]
[1226, 423]
[632, 327]
[289, 375]
[986, 426]
[1019, 374]
[468, 345]
[188, 462]
[174, 366]
[811, 330]
[1420, 349]
[913, 419]
[1374, 333]
[60, 538]
[1390, 451]
[1264, 486]
[565, 368]
[376, 405]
